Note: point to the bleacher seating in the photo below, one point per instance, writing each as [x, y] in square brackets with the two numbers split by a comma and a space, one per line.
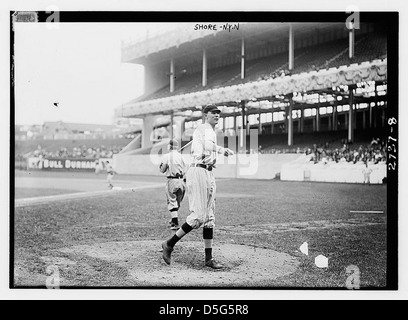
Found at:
[368, 48]
[307, 59]
[264, 67]
[23, 147]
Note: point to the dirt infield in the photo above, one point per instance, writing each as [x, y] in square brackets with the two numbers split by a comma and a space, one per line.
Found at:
[243, 265]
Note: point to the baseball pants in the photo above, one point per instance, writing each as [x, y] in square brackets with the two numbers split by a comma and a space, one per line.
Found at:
[201, 191]
[175, 190]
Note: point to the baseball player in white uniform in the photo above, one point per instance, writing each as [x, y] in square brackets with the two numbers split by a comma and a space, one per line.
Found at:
[201, 186]
[173, 166]
[367, 172]
[110, 172]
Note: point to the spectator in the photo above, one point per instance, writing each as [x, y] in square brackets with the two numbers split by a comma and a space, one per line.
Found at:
[367, 172]
[374, 142]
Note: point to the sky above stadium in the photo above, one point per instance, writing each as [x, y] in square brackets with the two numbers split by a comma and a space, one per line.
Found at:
[77, 66]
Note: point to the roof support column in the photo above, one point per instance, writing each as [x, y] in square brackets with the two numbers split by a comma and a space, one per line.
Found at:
[242, 58]
[172, 75]
[335, 115]
[147, 130]
[259, 121]
[290, 121]
[171, 124]
[371, 107]
[243, 131]
[180, 124]
[204, 68]
[318, 114]
[351, 42]
[291, 47]
[376, 107]
[272, 125]
[351, 116]
[298, 121]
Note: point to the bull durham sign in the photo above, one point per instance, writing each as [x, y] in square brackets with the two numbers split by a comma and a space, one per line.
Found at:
[67, 164]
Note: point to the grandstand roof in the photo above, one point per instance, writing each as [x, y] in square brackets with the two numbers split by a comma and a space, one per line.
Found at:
[313, 81]
[321, 62]
[186, 44]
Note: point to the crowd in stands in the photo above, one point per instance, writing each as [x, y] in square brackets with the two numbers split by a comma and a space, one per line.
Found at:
[274, 75]
[78, 152]
[374, 152]
[278, 150]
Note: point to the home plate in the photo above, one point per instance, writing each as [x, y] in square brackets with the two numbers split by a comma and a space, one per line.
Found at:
[244, 266]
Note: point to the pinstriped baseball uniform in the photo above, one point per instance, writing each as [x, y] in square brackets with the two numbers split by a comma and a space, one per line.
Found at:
[201, 188]
[173, 166]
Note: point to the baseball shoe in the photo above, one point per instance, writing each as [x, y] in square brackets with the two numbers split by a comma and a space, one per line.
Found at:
[174, 226]
[213, 264]
[166, 252]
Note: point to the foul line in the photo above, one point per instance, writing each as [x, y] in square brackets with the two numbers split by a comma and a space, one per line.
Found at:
[73, 196]
[300, 226]
[366, 211]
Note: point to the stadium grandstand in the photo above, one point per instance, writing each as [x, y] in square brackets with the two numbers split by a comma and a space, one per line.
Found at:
[298, 84]
[62, 140]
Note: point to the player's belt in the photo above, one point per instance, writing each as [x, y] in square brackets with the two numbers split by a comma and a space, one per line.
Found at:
[205, 166]
[175, 177]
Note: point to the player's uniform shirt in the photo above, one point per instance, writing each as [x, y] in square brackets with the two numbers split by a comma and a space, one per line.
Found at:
[109, 168]
[172, 164]
[367, 172]
[204, 148]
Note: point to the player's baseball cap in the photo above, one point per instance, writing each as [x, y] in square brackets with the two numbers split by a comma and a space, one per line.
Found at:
[211, 108]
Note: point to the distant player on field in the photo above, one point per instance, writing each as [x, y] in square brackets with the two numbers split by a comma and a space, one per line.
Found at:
[367, 172]
[173, 166]
[201, 186]
[110, 172]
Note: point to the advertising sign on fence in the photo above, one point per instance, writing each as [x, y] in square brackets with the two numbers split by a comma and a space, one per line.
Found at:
[60, 164]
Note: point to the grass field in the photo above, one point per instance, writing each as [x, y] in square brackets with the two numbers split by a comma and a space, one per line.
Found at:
[101, 241]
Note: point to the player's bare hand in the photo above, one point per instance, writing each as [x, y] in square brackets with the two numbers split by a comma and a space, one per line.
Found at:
[228, 152]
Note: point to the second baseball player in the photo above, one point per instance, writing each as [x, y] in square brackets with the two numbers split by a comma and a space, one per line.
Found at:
[173, 166]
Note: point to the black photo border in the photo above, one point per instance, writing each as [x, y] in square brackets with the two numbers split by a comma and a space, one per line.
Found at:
[389, 18]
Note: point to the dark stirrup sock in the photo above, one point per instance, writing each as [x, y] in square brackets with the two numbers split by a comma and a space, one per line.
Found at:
[208, 234]
[185, 228]
[208, 254]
